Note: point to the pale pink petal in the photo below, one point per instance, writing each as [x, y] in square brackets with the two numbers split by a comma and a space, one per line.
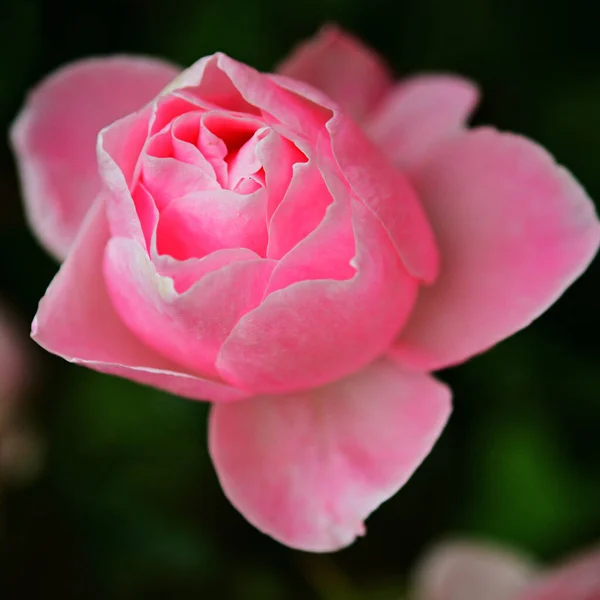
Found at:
[54, 137]
[341, 66]
[514, 231]
[187, 328]
[419, 113]
[316, 331]
[308, 468]
[471, 571]
[76, 320]
[578, 580]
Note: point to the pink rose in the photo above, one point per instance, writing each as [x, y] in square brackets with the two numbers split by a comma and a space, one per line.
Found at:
[470, 571]
[249, 243]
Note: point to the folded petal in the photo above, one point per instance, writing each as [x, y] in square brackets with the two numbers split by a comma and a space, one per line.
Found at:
[344, 68]
[315, 331]
[188, 328]
[308, 468]
[388, 194]
[419, 113]
[202, 222]
[77, 321]
[514, 231]
[578, 580]
[54, 137]
[470, 571]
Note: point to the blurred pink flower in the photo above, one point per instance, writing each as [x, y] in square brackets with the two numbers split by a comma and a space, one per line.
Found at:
[471, 571]
[19, 446]
[302, 249]
[12, 366]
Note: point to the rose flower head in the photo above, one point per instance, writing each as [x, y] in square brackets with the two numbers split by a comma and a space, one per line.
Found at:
[299, 248]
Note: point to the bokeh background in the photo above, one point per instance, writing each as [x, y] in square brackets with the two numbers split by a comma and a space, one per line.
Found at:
[123, 502]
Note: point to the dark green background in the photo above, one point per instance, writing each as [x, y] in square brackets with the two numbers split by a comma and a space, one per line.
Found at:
[127, 504]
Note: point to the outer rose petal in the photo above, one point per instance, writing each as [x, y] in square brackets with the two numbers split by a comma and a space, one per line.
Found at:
[578, 580]
[308, 468]
[76, 321]
[54, 137]
[341, 66]
[419, 113]
[514, 231]
[468, 571]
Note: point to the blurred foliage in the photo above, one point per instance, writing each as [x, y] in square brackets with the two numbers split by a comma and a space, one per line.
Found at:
[128, 505]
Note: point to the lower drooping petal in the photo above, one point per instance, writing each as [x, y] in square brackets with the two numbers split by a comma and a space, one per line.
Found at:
[514, 231]
[308, 468]
[470, 571]
[54, 137]
[77, 321]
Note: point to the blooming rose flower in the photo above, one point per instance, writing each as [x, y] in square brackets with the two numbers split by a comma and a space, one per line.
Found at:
[300, 249]
[470, 571]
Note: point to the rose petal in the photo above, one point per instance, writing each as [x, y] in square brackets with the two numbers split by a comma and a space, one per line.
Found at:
[316, 331]
[234, 86]
[308, 468]
[514, 230]
[469, 571]
[200, 223]
[341, 66]
[327, 252]
[419, 113]
[77, 321]
[301, 210]
[388, 194]
[55, 134]
[578, 580]
[188, 328]
[278, 156]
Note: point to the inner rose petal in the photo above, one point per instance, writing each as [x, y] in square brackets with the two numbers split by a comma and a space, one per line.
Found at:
[203, 222]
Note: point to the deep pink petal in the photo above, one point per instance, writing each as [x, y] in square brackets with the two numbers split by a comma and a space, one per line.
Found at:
[76, 320]
[578, 580]
[300, 211]
[342, 67]
[187, 328]
[514, 231]
[326, 253]
[471, 571]
[168, 178]
[200, 223]
[419, 113]
[278, 155]
[308, 468]
[54, 137]
[316, 331]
